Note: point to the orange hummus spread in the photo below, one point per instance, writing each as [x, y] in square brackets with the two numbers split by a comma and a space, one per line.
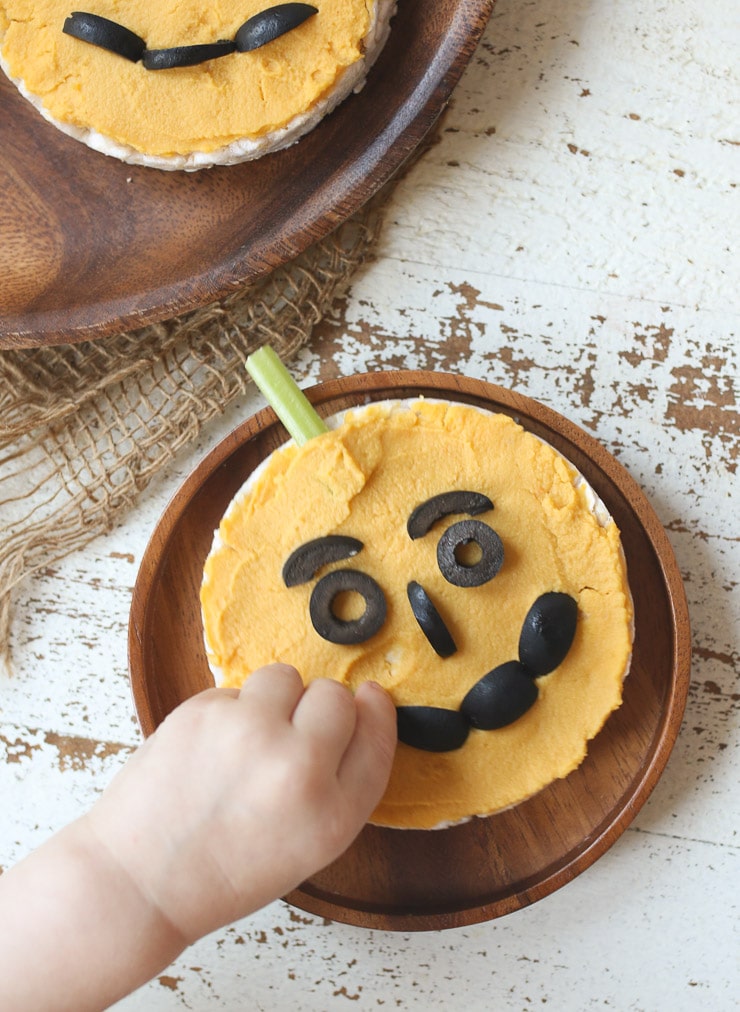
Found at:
[362, 480]
[238, 106]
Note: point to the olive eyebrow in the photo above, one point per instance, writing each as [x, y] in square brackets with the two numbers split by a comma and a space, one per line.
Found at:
[426, 514]
[303, 563]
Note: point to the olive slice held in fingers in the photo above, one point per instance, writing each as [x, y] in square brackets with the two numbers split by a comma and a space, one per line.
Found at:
[270, 24]
[105, 34]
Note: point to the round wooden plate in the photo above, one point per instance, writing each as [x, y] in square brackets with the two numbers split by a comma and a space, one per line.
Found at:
[404, 879]
[92, 246]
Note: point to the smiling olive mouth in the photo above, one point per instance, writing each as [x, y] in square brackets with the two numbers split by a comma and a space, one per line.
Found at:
[256, 32]
[506, 692]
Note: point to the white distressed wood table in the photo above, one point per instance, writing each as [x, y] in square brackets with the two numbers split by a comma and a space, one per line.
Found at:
[572, 235]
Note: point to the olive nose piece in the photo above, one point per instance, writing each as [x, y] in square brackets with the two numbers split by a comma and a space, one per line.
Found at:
[430, 621]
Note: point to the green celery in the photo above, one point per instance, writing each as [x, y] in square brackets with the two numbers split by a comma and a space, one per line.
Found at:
[284, 396]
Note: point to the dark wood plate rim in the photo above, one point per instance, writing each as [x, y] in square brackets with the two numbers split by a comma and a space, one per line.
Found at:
[336, 395]
[344, 185]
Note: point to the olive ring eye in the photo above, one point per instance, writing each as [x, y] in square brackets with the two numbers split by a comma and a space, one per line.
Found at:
[456, 537]
[347, 631]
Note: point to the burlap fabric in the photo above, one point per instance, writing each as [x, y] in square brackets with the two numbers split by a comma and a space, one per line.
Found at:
[84, 428]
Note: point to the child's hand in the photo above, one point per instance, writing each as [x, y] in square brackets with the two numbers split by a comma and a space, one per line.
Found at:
[240, 796]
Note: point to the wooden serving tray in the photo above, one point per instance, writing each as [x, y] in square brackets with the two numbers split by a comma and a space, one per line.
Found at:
[91, 246]
[408, 879]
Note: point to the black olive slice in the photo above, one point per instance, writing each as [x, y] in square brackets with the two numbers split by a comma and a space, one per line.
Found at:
[346, 631]
[547, 632]
[303, 564]
[104, 33]
[431, 622]
[186, 56]
[500, 697]
[271, 24]
[426, 514]
[463, 533]
[431, 728]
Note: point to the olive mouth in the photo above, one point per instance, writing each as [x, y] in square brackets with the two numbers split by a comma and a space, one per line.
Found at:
[506, 692]
[256, 32]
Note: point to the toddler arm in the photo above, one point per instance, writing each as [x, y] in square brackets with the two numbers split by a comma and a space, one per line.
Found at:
[236, 799]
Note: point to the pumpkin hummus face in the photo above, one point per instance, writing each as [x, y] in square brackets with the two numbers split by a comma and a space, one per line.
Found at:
[237, 105]
[455, 559]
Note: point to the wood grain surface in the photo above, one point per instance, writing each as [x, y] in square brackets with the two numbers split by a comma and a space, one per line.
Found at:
[406, 880]
[92, 245]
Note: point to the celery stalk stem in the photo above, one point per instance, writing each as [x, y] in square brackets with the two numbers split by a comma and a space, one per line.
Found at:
[282, 393]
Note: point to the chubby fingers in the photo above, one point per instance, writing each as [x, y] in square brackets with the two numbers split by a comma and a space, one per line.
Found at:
[326, 716]
[366, 764]
[353, 741]
[275, 688]
[353, 736]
